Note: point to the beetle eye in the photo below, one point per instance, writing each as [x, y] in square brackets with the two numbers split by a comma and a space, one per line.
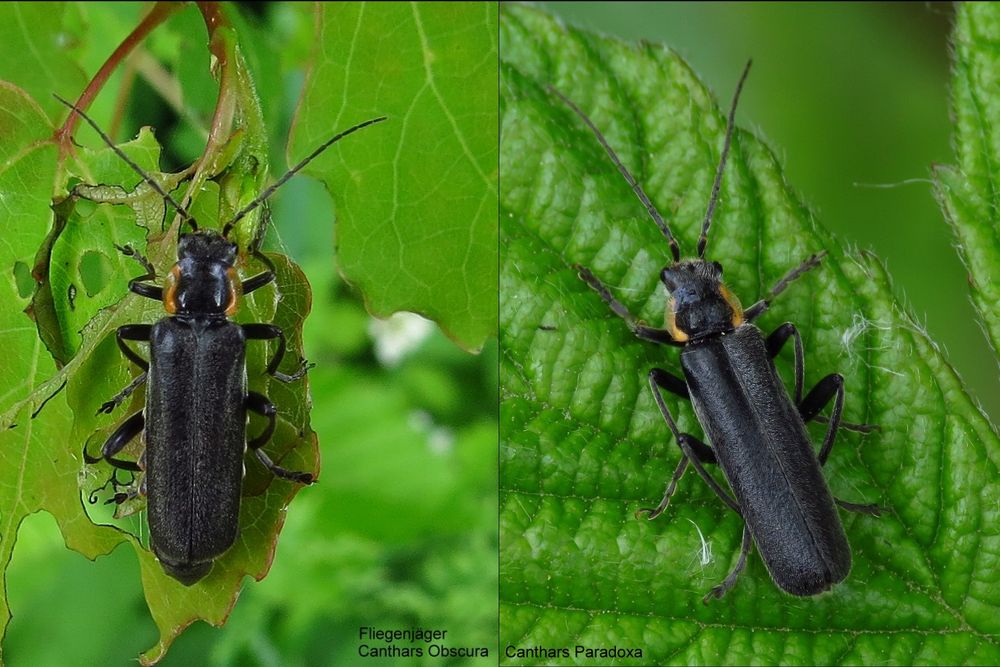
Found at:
[718, 268]
[667, 280]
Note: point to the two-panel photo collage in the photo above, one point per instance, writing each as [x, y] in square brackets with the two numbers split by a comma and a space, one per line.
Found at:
[477, 334]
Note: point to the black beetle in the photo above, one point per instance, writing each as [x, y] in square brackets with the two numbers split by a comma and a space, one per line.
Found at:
[757, 432]
[195, 417]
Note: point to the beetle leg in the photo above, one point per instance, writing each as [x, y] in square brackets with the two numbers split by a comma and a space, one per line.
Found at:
[686, 442]
[139, 285]
[263, 331]
[264, 407]
[776, 341]
[832, 386]
[730, 581]
[810, 411]
[108, 406]
[134, 491]
[114, 484]
[872, 509]
[124, 496]
[758, 309]
[825, 389]
[670, 382]
[677, 386]
[256, 282]
[130, 428]
[848, 426]
[654, 335]
[136, 332]
[651, 334]
[704, 454]
[653, 512]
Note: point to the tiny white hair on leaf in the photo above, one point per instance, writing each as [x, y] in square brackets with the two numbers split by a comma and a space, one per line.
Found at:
[705, 553]
[859, 326]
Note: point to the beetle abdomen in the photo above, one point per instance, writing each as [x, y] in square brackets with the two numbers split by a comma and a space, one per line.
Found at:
[195, 440]
[765, 452]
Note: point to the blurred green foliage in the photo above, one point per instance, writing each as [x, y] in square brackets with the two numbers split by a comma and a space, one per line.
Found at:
[400, 530]
[967, 191]
[849, 95]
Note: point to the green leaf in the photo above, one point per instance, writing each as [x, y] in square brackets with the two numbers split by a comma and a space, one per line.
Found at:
[416, 198]
[968, 192]
[37, 470]
[584, 446]
[81, 300]
[81, 270]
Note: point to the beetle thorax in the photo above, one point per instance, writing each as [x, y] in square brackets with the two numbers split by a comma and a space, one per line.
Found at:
[204, 281]
[700, 303]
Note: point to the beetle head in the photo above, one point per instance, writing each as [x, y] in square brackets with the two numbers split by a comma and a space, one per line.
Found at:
[206, 245]
[700, 304]
[204, 280]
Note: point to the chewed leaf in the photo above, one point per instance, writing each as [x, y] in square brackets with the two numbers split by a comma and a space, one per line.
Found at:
[83, 270]
[416, 195]
[584, 446]
[104, 213]
[37, 469]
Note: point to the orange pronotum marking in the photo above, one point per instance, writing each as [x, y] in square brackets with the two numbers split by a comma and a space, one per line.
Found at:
[235, 291]
[677, 334]
[170, 290]
[734, 303]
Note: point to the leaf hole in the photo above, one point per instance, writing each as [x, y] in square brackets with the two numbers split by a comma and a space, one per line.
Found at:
[96, 271]
[23, 280]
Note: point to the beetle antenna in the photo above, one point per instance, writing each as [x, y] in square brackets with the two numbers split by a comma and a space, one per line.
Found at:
[262, 197]
[636, 188]
[136, 168]
[703, 239]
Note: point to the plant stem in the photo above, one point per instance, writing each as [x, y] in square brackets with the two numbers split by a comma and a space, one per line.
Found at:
[160, 12]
